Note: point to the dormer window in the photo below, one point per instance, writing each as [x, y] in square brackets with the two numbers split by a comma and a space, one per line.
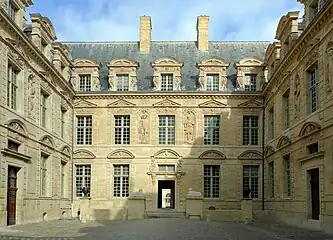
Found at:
[12, 10]
[167, 82]
[44, 47]
[212, 82]
[314, 8]
[122, 82]
[250, 82]
[85, 82]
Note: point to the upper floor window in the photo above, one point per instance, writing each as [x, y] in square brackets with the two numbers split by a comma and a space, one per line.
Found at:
[122, 82]
[286, 109]
[12, 10]
[122, 129]
[85, 82]
[314, 9]
[251, 180]
[271, 179]
[43, 108]
[166, 129]
[250, 130]
[44, 176]
[167, 82]
[287, 176]
[212, 82]
[271, 123]
[12, 87]
[250, 82]
[62, 121]
[84, 130]
[212, 130]
[313, 89]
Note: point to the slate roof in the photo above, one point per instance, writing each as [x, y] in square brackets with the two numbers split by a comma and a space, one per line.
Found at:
[186, 52]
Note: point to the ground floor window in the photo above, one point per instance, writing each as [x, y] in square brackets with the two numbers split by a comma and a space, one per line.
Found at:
[211, 181]
[250, 181]
[120, 180]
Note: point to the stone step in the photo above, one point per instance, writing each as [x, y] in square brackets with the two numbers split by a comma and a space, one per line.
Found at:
[164, 214]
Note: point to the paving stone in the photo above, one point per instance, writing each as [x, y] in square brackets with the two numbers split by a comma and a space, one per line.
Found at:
[158, 229]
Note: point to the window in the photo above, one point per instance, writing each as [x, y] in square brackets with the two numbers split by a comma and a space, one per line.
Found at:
[166, 129]
[85, 82]
[43, 174]
[286, 110]
[250, 82]
[62, 122]
[314, 9]
[211, 181]
[313, 90]
[63, 179]
[212, 130]
[251, 180]
[312, 148]
[122, 129]
[167, 82]
[250, 130]
[122, 83]
[12, 10]
[82, 179]
[271, 179]
[287, 176]
[13, 146]
[12, 87]
[43, 108]
[166, 168]
[84, 130]
[271, 123]
[212, 82]
[121, 180]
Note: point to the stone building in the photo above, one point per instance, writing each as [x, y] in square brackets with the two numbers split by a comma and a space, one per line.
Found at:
[115, 118]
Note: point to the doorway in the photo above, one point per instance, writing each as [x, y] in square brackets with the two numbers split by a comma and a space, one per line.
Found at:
[166, 194]
[11, 195]
[314, 193]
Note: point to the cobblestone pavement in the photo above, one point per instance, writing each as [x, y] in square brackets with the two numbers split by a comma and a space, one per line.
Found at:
[158, 229]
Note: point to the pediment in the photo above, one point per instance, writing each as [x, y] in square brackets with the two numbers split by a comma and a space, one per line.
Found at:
[66, 150]
[120, 154]
[48, 141]
[84, 103]
[268, 151]
[309, 128]
[123, 62]
[250, 155]
[17, 126]
[167, 153]
[282, 142]
[250, 61]
[166, 62]
[213, 62]
[250, 103]
[83, 154]
[212, 154]
[166, 103]
[18, 47]
[81, 62]
[121, 103]
[212, 103]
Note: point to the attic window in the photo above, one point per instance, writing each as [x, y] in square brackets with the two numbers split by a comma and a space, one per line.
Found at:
[122, 82]
[314, 9]
[212, 82]
[12, 10]
[85, 83]
[250, 82]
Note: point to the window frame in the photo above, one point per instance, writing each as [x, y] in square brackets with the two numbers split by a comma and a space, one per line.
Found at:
[210, 137]
[87, 137]
[209, 181]
[123, 180]
[214, 84]
[169, 130]
[167, 80]
[85, 82]
[251, 130]
[12, 86]
[250, 82]
[312, 91]
[124, 129]
[43, 174]
[250, 178]
[123, 83]
[86, 179]
[287, 175]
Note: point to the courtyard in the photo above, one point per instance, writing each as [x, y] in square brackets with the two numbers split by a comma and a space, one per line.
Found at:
[156, 229]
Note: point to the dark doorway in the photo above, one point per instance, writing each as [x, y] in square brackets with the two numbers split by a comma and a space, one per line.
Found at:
[11, 195]
[166, 194]
[314, 188]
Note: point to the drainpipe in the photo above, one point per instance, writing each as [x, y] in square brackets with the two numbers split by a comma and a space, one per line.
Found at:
[263, 160]
[73, 169]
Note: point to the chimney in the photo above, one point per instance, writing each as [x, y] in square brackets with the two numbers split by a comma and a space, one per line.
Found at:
[145, 34]
[202, 32]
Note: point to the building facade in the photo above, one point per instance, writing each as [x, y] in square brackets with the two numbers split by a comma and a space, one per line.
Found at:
[115, 118]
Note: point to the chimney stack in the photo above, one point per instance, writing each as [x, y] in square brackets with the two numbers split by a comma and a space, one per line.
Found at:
[202, 32]
[145, 33]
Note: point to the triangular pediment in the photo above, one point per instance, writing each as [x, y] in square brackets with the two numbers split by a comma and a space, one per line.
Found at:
[120, 154]
[166, 103]
[250, 103]
[83, 154]
[250, 154]
[84, 103]
[212, 103]
[121, 103]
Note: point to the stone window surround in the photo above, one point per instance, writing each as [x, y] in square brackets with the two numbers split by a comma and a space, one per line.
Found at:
[83, 66]
[122, 66]
[216, 67]
[167, 66]
[249, 65]
[19, 76]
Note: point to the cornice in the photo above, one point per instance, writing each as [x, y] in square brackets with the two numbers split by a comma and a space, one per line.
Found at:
[33, 50]
[174, 95]
[305, 37]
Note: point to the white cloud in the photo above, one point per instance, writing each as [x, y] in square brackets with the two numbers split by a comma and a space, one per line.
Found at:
[172, 19]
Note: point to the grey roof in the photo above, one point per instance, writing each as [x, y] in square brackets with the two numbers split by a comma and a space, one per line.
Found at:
[186, 52]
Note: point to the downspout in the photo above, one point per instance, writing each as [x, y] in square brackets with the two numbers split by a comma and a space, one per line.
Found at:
[73, 169]
[263, 159]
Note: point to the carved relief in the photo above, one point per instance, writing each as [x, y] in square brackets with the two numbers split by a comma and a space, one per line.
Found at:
[166, 66]
[32, 97]
[250, 104]
[297, 98]
[309, 128]
[16, 58]
[248, 66]
[124, 67]
[212, 154]
[329, 68]
[83, 154]
[86, 67]
[143, 128]
[311, 58]
[268, 151]
[250, 154]
[120, 154]
[283, 142]
[189, 126]
[167, 153]
[16, 127]
[166, 103]
[84, 103]
[48, 141]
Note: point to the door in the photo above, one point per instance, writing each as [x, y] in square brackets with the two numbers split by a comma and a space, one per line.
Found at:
[11, 195]
[314, 188]
[166, 194]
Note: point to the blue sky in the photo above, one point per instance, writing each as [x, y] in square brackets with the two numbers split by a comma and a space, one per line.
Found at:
[118, 20]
